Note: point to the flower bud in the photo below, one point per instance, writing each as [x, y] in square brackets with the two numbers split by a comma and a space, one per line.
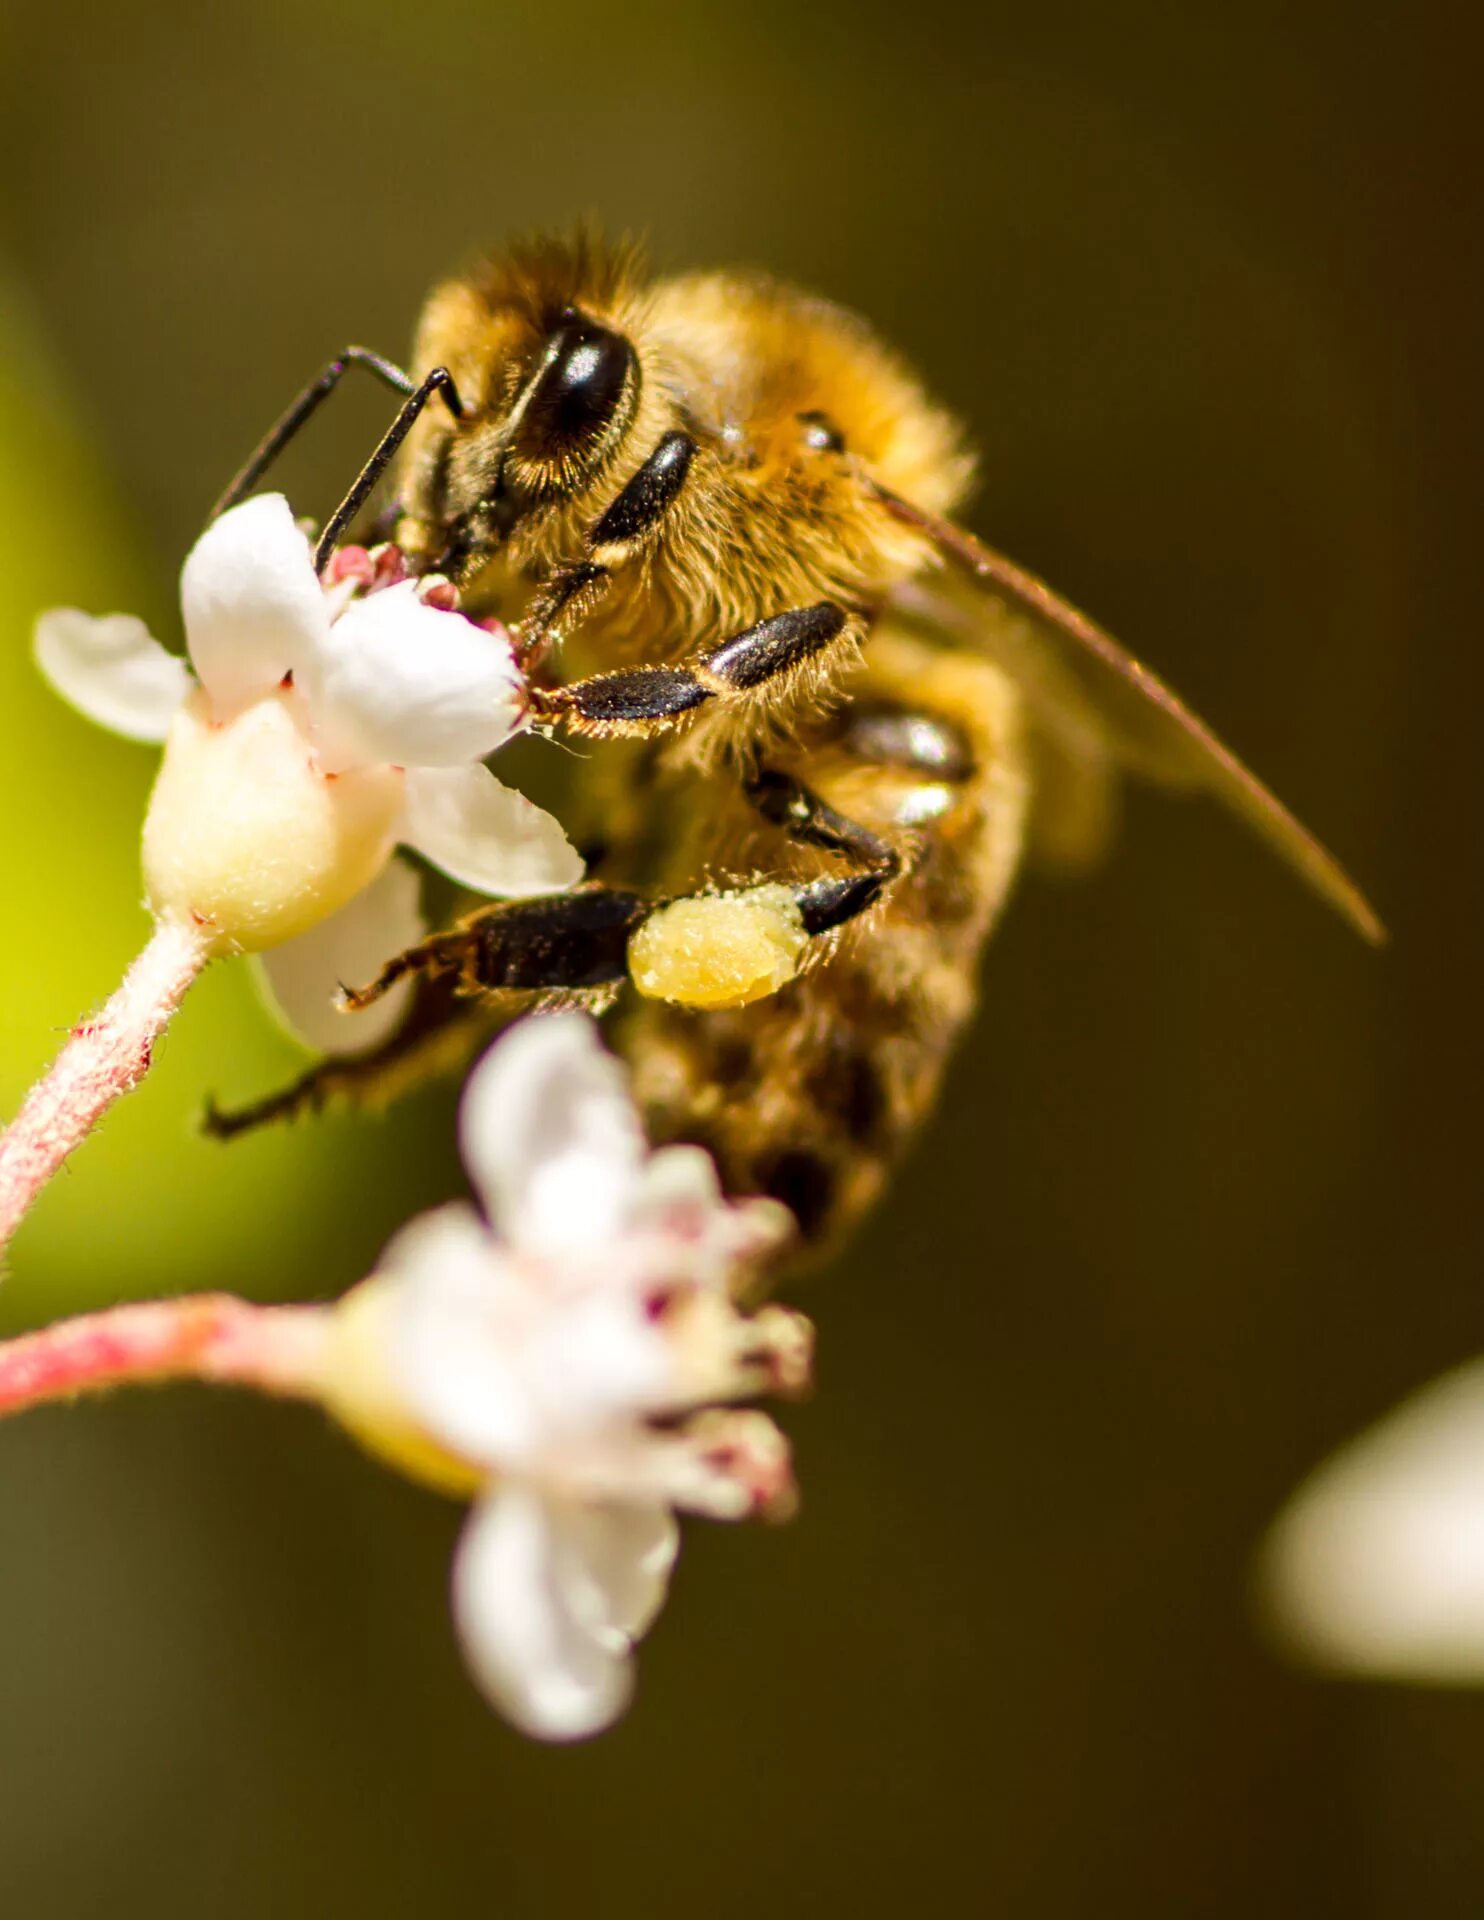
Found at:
[245, 834]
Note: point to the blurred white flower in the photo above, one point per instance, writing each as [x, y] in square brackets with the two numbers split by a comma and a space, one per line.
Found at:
[323, 726]
[1376, 1567]
[568, 1356]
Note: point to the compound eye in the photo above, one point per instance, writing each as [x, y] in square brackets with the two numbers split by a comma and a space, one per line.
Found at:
[580, 389]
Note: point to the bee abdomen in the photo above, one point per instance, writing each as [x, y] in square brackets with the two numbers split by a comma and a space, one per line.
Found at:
[813, 1094]
[809, 1136]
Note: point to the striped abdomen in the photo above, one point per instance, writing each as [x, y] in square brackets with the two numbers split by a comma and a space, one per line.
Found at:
[812, 1094]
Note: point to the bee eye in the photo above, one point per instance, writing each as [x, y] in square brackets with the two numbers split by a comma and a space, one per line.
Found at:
[579, 390]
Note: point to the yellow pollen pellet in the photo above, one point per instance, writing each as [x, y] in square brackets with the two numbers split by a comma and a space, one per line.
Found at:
[720, 949]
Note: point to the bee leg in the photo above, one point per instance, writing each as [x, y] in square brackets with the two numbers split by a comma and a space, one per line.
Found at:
[307, 403]
[580, 941]
[618, 535]
[720, 949]
[646, 700]
[829, 902]
[569, 941]
[438, 1035]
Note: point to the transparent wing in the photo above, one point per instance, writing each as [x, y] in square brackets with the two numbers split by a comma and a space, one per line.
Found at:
[1087, 690]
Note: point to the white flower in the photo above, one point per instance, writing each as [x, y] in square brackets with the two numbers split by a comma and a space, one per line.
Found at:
[568, 1357]
[322, 727]
[1377, 1565]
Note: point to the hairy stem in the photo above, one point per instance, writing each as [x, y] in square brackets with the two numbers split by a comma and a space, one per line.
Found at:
[104, 1058]
[203, 1336]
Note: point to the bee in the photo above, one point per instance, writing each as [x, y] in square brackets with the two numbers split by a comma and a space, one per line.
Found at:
[826, 722]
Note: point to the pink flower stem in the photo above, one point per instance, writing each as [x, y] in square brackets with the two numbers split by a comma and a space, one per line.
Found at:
[103, 1059]
[203, 1336]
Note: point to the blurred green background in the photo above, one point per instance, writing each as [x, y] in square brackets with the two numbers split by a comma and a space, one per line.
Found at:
[1203, 1198]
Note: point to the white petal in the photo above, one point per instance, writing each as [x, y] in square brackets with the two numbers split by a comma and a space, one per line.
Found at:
[549, 1136]
[301, 979]
[679, 1185]
[508, 1373]
[519, 1565]
[252, 606]
[699, 1234]
[593, 1361]
[618, 1570]
[112, 671]
[458, 1352]
[1378, 1564]
[451, 1243]
[726, 1465]
[402, 682]
[486, 835]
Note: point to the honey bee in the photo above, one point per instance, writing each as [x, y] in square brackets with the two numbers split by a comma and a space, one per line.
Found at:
[827, 722]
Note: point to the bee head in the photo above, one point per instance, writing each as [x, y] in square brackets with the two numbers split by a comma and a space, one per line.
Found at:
[550, 382]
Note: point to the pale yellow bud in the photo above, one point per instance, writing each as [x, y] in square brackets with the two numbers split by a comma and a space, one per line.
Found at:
[245, 835]
[720, 949]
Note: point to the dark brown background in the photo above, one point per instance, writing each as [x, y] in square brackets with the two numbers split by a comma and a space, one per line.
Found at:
[1203, 1198]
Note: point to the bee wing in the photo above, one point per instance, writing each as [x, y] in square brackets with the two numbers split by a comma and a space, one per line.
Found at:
[1082, 683]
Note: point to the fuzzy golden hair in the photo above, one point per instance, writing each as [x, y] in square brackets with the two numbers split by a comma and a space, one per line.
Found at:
[717, 513]
[739, 361]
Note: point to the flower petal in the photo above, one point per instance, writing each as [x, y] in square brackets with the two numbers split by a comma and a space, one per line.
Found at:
[1377, 1566]
[301, 979]
[549, 1136]
[457, 1348]
[486, 835]
[501, 1375]
[399, 681]
[727, 1463]
[679, 1190]
[252, 606]
[112, 670]
[451, 1244]
[699, 1235]
[518, 1566]
[617, 1571]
